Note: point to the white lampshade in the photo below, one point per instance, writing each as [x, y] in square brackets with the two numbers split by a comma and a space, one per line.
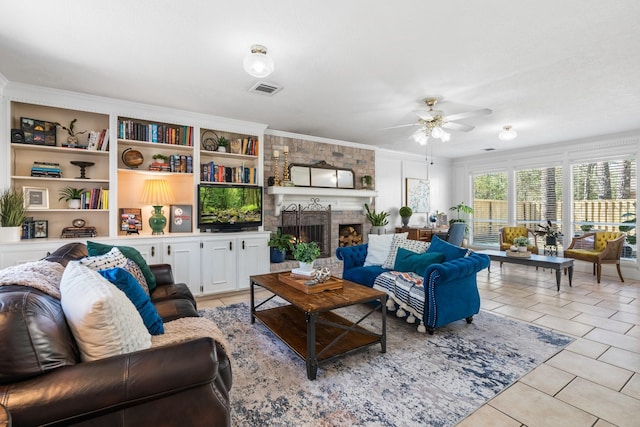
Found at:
[445, 136]
[507, 134]
[437, 132]
[420, 136]
[257, 63]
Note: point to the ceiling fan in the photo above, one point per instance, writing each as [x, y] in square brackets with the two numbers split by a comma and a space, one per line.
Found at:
[433, 122]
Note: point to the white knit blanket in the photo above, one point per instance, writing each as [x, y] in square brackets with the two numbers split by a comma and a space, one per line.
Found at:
[188, 328]
[42, 275]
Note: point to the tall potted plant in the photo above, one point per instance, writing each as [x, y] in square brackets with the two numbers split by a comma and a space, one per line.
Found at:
[12, 215]
[377, 219]
[279, 244]
[462, 211]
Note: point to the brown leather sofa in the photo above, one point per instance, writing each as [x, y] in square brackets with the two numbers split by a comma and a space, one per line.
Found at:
[43, 381]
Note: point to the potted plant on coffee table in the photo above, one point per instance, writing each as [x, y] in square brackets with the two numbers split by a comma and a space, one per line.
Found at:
[279, 244]
[521, 242]
[306, 253]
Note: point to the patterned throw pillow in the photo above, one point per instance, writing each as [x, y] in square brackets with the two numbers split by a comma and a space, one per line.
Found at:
[412, 245]
[111, 259]
[95, 248]
[135, 271]
[379, 246]
[103, 320]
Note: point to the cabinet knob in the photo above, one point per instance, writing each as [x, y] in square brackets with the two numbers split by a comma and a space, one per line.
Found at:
[243, 245]
[230, 246]
[153, 251]
[168, 249]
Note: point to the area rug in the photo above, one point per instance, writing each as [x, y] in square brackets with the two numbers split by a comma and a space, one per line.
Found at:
[422, 380]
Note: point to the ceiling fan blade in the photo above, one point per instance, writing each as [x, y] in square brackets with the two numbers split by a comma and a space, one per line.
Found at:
[474, 113]
[457, 126]
[424, 115]
[401, 126]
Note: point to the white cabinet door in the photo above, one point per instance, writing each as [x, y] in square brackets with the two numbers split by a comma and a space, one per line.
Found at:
[19, 253]
[218, 259]
[184, 257]
[253, 258]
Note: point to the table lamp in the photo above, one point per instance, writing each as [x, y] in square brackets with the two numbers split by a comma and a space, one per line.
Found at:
[157, 192]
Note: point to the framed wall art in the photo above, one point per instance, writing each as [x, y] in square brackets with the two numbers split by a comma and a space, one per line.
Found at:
[36, 198]
[41, 228]
[418, 194]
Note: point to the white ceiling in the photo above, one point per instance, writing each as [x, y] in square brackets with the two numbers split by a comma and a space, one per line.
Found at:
[555, 70]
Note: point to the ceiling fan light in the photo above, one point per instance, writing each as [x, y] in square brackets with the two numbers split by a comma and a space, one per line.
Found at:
[420, 137]
[257, 63]
[445, 136]
[507, 134]
[437, 132]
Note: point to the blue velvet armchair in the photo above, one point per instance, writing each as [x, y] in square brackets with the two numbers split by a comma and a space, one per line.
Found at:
[449, 290]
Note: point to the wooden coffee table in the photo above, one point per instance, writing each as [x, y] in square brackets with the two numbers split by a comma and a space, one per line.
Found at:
[553, 262]
[308, 325]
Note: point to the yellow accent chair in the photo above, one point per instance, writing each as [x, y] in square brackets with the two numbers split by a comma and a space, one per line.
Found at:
[507, 234]
[601, 247]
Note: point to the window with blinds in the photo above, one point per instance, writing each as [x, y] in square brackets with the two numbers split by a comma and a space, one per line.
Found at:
[489, 207]
[539, 198]
[604, 198]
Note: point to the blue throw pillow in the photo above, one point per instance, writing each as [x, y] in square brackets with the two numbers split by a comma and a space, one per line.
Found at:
[95, 248]
[128, 284]
[407, 261]
[449, 251]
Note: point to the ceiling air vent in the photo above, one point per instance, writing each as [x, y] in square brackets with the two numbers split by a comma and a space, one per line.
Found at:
[264, 88]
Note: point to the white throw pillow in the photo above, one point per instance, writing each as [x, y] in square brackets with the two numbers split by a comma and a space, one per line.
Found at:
[103, 320]
[410, 245]
[112, 259]
[379, 247]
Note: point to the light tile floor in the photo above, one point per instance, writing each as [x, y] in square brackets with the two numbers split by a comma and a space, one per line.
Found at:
[594, 382]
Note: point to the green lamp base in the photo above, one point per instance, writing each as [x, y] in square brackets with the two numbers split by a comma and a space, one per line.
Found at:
[157, 222]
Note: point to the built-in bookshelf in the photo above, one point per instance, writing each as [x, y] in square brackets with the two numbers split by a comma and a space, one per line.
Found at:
[238, 163]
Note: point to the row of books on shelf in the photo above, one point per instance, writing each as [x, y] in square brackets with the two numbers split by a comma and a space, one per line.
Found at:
[95, 198]
[249, 146]
[98, 141]
[46, 169]
[177, 163]
[155, 132]
[74, 232]
[210, 172]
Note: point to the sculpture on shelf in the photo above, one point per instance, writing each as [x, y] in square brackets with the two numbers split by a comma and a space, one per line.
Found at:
[72, 139]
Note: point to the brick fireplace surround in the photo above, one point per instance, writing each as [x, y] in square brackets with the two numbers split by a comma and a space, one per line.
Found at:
[361, 161]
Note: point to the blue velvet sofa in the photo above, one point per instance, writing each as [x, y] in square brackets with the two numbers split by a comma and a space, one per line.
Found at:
[448, 293]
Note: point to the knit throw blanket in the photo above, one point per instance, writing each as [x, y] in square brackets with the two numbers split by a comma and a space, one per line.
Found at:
[42, 275]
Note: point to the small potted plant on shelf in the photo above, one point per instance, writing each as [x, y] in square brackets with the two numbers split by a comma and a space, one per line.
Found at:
[377, 219]
[405, 213]
[222, 144]
[72, 139]
[72, 196]
[521, 242]
[12, 215]
[367, 182]
[160, 158]
[279, 244]
[306, 253]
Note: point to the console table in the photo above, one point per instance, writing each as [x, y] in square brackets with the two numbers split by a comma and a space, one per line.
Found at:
[423, 234]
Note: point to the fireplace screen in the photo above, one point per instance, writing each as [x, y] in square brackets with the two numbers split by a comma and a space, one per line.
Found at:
[309, 224]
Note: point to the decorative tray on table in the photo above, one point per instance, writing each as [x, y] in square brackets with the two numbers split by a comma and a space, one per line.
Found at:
[299, 282]
[517, 254]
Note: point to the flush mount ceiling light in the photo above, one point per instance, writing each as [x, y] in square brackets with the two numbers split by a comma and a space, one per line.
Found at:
[257, 63]
[507, 134]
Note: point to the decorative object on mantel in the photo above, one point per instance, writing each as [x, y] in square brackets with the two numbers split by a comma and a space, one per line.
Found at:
[367, 182]
[276, 169]
[341, 198]
[83, 167]
[285, 169]
[72, 139]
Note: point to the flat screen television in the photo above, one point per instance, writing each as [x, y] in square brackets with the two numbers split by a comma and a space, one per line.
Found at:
[229, 207]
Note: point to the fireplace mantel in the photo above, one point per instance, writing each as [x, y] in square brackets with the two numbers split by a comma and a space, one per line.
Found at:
[340, 199]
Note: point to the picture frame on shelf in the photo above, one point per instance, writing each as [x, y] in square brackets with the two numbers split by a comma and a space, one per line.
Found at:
[131, 220]
[36, 197]
[418, 193]
[41, 229]
[181, 219]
